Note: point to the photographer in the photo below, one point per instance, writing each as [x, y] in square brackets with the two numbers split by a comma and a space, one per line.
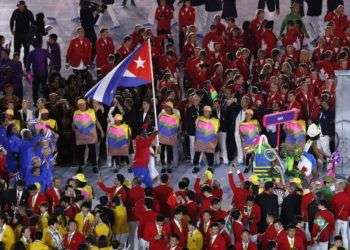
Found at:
[89, 13]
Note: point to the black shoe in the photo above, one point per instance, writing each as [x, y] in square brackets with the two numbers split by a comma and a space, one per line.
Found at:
[116, 170]
[133, 4]
[163, 170]
[95, 170]
[130, 170]
[169, 170]
[246, 170]
[80, 169]
[124, 6]
[195, 170]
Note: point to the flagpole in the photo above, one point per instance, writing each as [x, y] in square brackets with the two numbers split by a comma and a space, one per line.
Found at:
[153, 91]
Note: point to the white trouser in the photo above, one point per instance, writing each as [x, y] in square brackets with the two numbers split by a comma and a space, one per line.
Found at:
[307, 231]
[122, 238]
[111, 12]
[239, 148]
[192, 138]
[320, 246]
[313, 26]
[201, 15]
[210, 18]
[133, 240]
[342, 228]
[323, 144]
[223, 147]
[144, 245]
[269, 15]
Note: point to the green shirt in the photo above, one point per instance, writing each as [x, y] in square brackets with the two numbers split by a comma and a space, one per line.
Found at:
[294, 18]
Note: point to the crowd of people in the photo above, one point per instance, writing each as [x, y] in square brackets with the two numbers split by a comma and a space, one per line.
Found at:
[213, 89]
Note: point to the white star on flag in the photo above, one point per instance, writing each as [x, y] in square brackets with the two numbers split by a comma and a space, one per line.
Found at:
[139, 62]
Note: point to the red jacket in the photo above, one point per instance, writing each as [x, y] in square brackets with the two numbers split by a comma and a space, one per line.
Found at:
[151, 232]
[237, 230]
[326, 233]
[133, 195]
[218, 214]
[305, 202]
[218, 243]
[240, 195]
[193, 210]
[74, 242]
[104, 47]
[163, 15]
[148, 216]
[340, 23]
[71, 211]
[113, 191]
[341, 206]
[269, 235]
[268, 41]
[53, 197]
[187, 16]
[142, 154]
[300, 233]
[35, 204]
[181, 233]
[123, 51]
[162, 193]
[251, 246]
[79, 50]
[283, 243]
[252, 219]
[210, 38]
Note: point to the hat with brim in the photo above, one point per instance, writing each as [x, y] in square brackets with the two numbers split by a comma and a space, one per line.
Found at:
[313, 130]
[80, 177]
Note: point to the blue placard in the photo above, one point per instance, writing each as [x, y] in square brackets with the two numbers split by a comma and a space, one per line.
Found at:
[279, 118]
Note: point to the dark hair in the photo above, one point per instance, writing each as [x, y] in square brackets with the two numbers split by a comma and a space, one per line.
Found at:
[246, 26]
[164, 178]
[83, 246]
[268, 185]
[102, 241]
[149, 192]
[338, 237]
[235, 214]
[38, 235]
[53, 36]
[160, 218]
[52, 221]
[149, 203]
[116, 200]
[182, 185]
[103, 200]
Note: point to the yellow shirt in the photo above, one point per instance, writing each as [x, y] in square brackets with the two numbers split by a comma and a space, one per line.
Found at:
[7, 237]
[121, 220]
[38, 245]
[92, 247]
[81, 221]
[44, 221]
[102, 229]
[195, 240]
[91, 112]
[47, 238]
[88, 190]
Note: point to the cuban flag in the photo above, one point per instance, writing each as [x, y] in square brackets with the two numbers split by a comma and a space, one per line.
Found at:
[135, 70]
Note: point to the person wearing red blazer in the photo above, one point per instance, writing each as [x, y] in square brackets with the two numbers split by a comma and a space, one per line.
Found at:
[223, 231]
[35, 198]
[216, 212]
[134, 194]
[252, 217]
[205, 193]
[179, 227]
[237, 225]
[147, 216]
[187, 17]
[216, 241]
[53, 194]
[104, 47]
[79, 51]
[162, 192]
[115, 190]
[339, 19]
[73, 238]
[240, 194]
[321, 236]
[300, 231]
[157, 233]
[270, 234]
[204, 227]
[174, 243]
[126, 48]
[245, 243]
[268, 38]
[164, 15]
[289, 240]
